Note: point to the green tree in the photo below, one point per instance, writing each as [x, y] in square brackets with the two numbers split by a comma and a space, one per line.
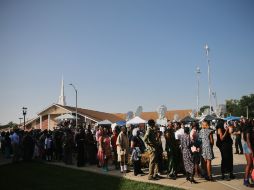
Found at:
[232, 107]
[9, 125]
[247, 103]
[12, 125]
[240, 107]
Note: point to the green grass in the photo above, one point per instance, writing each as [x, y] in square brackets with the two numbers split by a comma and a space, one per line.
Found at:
[37, 176]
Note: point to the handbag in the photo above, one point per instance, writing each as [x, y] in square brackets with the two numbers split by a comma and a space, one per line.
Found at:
[193, 149]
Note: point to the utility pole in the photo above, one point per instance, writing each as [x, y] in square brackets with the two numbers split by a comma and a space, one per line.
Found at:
[207, 49]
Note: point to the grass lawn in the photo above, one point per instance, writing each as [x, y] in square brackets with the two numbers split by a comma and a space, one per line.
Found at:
[42, 176]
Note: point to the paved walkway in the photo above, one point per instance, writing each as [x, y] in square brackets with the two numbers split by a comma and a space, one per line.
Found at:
[236, 184]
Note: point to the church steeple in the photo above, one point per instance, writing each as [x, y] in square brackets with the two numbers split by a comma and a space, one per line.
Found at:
[61, 99]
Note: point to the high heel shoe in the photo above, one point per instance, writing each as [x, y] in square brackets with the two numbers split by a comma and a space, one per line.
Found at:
[193, 181]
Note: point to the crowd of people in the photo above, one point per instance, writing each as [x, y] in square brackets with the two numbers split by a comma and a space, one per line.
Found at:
[178, 149]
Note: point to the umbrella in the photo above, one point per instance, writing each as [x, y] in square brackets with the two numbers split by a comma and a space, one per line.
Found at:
[104, 122]
[65, 116]
[188, 119]
[136, 120]
[121, 123]
[231, 118]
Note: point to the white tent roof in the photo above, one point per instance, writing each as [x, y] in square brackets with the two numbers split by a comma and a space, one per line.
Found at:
[65, 116]
[136, 120]
[104, 122]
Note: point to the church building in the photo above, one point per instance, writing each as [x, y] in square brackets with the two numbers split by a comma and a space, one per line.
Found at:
[47, 118]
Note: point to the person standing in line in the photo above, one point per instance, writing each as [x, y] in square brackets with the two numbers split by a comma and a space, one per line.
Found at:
[206, 137]
[80, 144]
[114, 148]
[2, 142]
[225, 142]
[122, 144]
[7, 145]
[42, 144]
[159, 153]
[136, 146]
[171, 149]
[58, 145]
[15, 141]
[187, 156]
[238, 139]
[104, 150]
[68, 146]
[91, 154]
[247, 144]
[48, 147]
[98, 134]
[195, 149]
[150, 140]
[28, 146]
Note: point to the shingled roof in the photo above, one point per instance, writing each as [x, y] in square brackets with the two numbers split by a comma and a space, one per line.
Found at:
[96, 115]
[113, 117]
[154, 115]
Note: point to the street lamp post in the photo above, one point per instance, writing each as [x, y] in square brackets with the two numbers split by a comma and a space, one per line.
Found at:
[216, 100]
[76, 91]
[24, 114]
[198, 73]
[20, 120]
[207, 49]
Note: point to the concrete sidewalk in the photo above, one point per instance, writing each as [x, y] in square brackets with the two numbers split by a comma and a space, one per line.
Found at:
[236, 184]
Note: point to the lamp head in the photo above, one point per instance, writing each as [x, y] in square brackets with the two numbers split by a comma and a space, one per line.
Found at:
[24, 110]
[207, 49]
[198, 70]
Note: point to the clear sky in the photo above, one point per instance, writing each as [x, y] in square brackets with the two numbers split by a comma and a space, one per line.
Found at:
[122, 53]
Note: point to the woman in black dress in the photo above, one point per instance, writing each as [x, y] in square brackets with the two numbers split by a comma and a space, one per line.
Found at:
[224, 143]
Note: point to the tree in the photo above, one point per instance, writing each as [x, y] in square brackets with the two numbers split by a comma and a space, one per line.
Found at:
[10, 125]
[232, 107]
[240, 107]
[247, 103]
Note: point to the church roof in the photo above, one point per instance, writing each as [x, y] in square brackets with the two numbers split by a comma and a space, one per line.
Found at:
[154, 115]
[96, 115]
[114, 117]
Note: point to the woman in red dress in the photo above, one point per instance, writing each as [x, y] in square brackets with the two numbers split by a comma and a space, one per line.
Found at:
[104, 150]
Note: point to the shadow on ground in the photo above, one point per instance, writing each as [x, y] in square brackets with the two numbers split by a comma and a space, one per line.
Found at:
[237, 167]
[39, 176]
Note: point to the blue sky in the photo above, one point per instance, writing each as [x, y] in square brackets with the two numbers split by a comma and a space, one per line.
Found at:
[122, 54]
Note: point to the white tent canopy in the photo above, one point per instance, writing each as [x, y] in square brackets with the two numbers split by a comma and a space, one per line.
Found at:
[113, 126]
[136, 120]
[65, 116]
[104, 122]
